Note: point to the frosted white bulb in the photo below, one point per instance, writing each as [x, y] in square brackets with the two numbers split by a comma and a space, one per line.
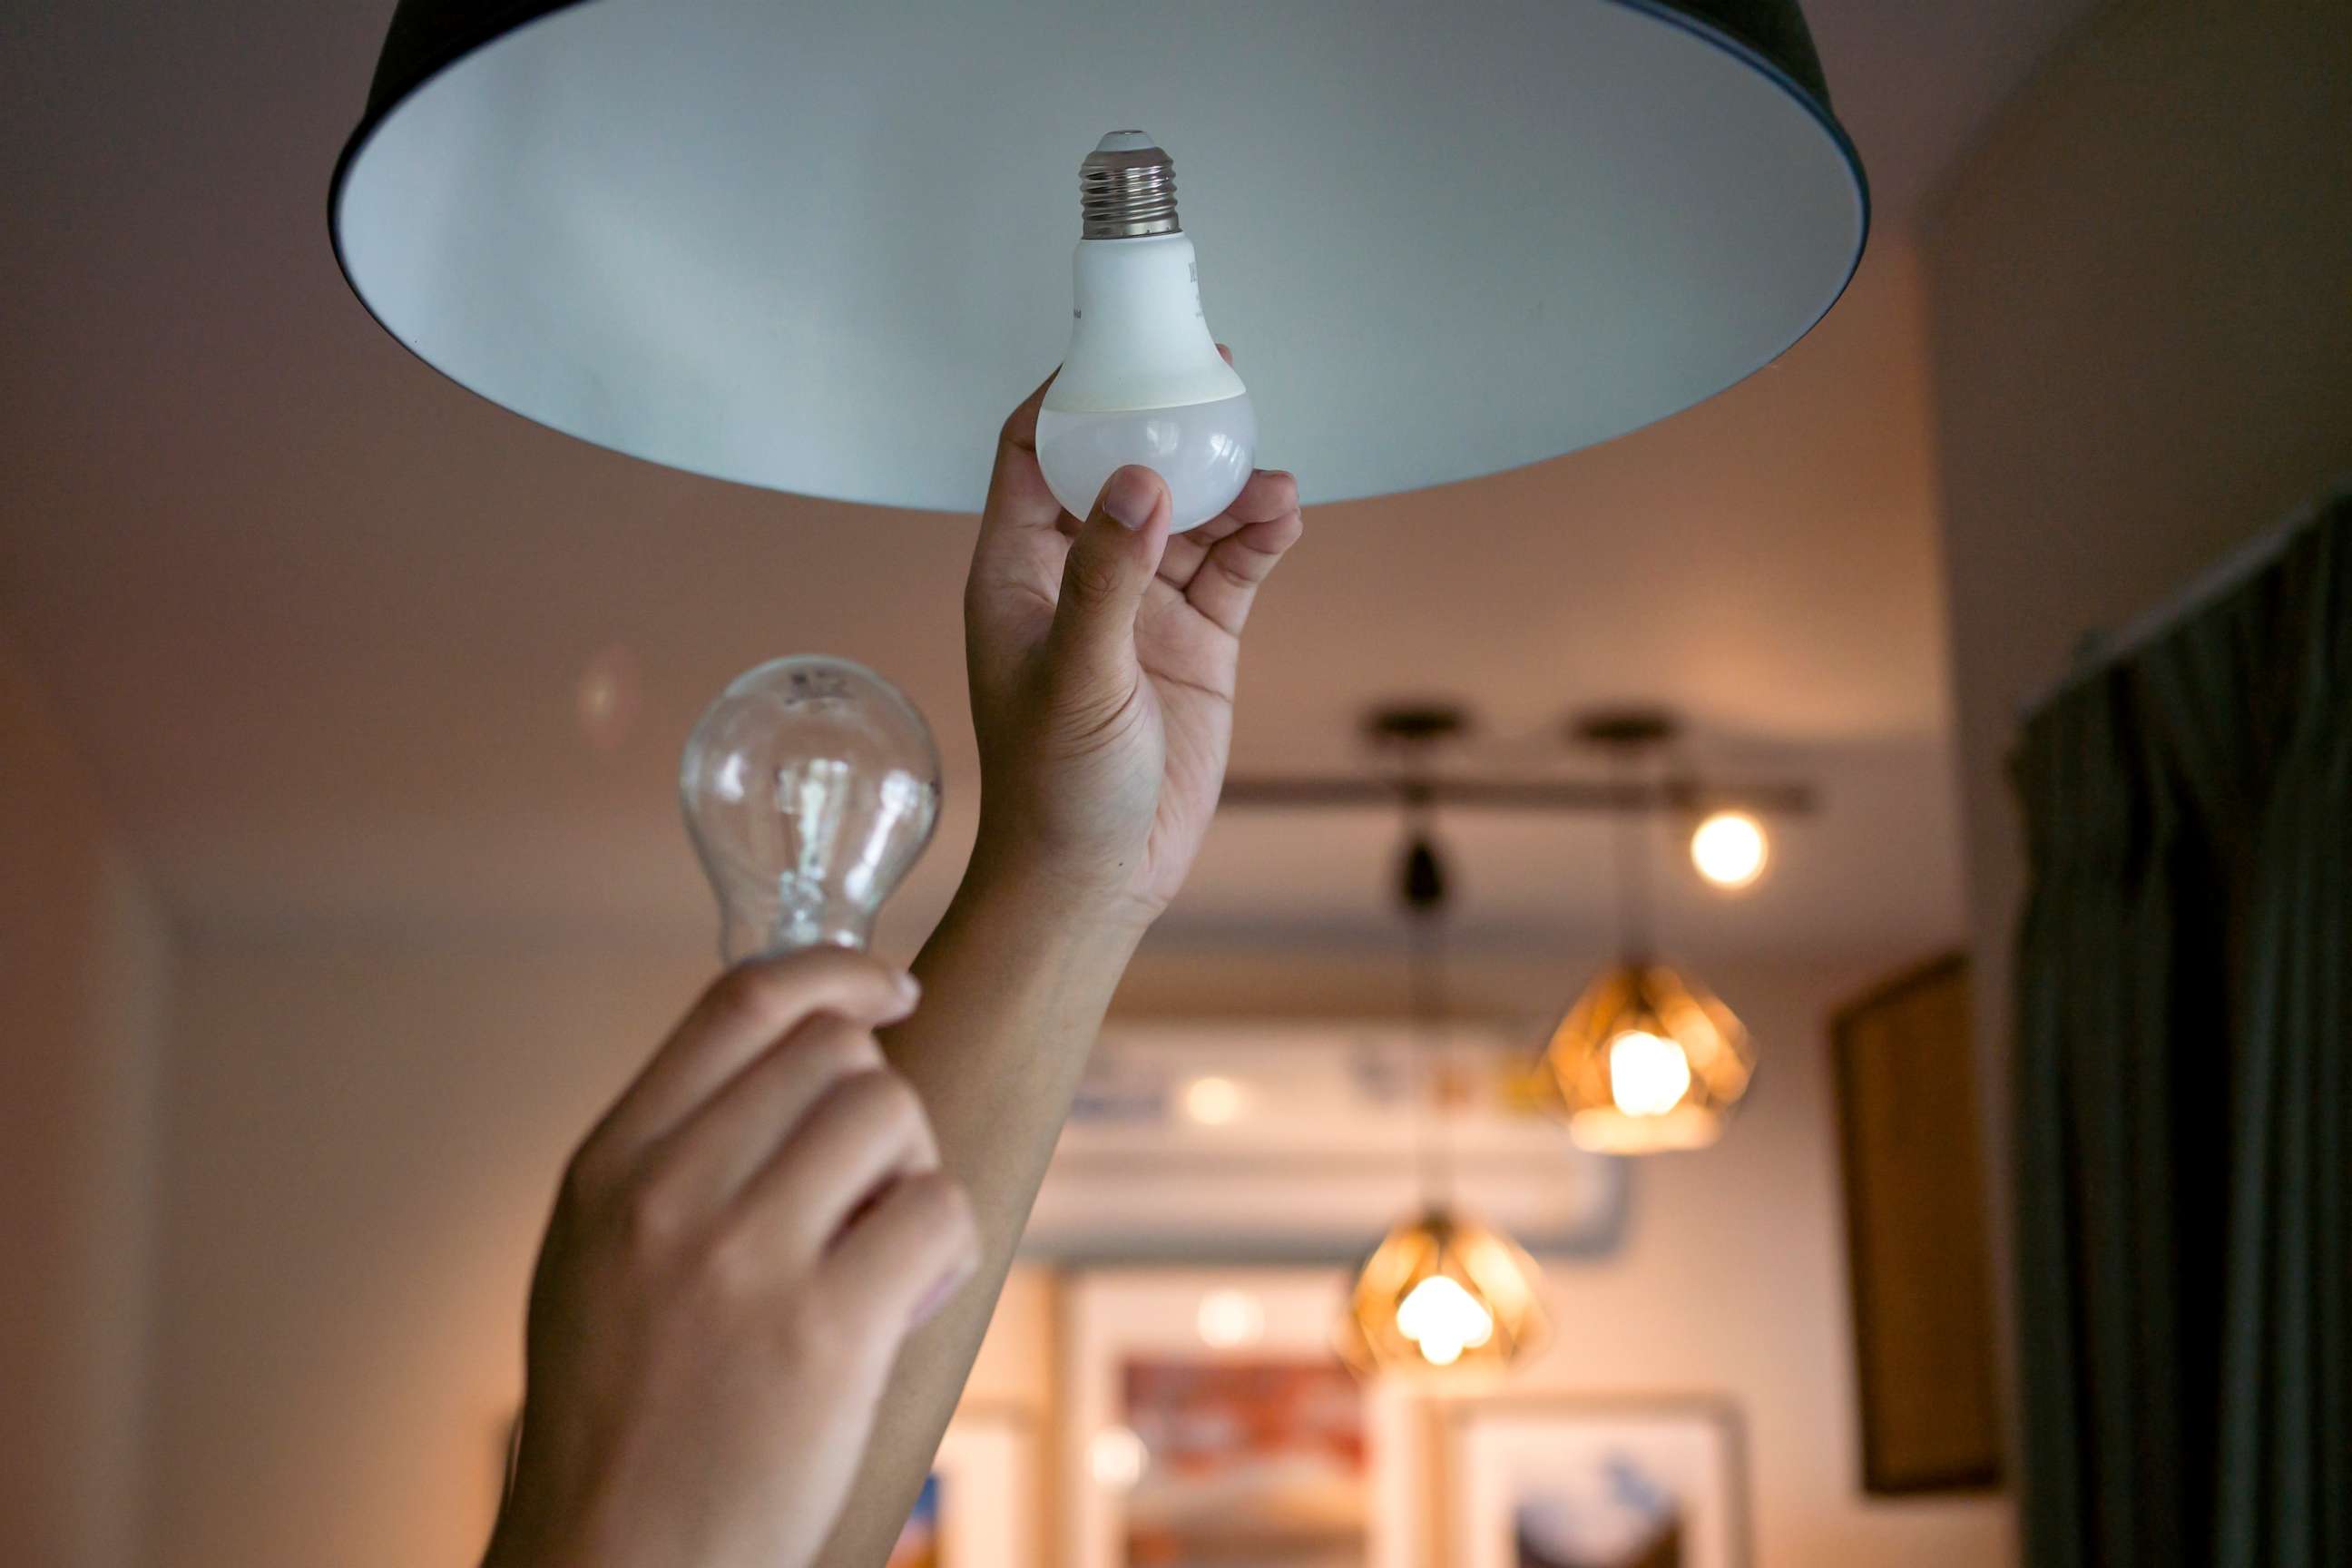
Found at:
[810, 788]
[1142, 381]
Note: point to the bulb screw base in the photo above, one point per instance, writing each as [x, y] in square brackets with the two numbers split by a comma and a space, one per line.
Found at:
[1126, 189]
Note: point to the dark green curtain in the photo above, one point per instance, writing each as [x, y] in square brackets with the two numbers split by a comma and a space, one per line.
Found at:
[2184, 1015]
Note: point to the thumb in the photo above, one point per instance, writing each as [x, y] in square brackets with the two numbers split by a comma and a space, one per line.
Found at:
[1111, 564]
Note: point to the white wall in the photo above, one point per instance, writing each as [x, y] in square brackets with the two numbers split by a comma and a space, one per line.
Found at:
[366, 1127]
[2140, 292]
[85, 974]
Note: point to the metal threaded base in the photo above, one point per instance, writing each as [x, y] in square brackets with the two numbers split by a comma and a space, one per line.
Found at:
[1127, 188]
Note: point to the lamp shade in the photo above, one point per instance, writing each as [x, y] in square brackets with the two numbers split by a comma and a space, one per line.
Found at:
[1647, 1060]
[822, 248]
[1443, 1294]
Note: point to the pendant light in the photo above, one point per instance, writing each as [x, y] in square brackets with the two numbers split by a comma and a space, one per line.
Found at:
[822, 248]
[1647, 1059]
[1443, 1293]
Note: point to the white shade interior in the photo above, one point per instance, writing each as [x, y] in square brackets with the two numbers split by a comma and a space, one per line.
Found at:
[823, 248]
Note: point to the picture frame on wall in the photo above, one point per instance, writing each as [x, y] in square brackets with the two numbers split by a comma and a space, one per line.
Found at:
[980, 1506]
[1566, 1481]
[1919, 1263]
[1208, 1419]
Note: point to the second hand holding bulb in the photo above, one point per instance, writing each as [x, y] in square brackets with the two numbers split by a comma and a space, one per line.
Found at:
[1142, 381]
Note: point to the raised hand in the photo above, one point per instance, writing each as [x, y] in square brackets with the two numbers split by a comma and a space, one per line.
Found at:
[1102, 655]
[738, 1252]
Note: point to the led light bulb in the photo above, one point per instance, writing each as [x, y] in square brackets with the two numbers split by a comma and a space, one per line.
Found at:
[810, 788]
[1142, 381]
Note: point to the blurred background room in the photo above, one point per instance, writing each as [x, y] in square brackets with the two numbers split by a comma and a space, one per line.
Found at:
[1984, 1201]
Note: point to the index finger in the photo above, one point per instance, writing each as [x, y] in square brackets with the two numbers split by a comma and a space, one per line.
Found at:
[742, 1013]
[1017, 496]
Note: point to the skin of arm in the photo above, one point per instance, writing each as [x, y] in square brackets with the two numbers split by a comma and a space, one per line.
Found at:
[1102, 656]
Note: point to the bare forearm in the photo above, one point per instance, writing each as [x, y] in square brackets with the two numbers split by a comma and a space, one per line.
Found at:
[1015, 981]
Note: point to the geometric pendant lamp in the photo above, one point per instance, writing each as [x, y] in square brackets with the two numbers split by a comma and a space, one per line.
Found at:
[1647, 1060]
[822, 248]
[1443, 1294]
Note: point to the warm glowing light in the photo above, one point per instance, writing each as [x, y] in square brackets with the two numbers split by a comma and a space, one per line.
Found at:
[1116, 1458]
[1443, 1320]
[1730, 849]
[1443, 1294]
[1648, 1074]
[1648, 1060]
[1213, 1101]
[1229, 1319]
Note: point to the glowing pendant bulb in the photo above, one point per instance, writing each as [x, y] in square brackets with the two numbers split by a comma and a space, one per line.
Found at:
[1648, 1074]
[1648, 1060]
[809, 788]
[1142, 381]
[1443, 1294]
[1443, 1320]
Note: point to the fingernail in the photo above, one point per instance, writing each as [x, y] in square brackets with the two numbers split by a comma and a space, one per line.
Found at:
[939, 1295]
[910, 990]
[1129, 497]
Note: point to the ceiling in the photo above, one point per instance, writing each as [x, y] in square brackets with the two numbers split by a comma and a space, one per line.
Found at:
[321, 623]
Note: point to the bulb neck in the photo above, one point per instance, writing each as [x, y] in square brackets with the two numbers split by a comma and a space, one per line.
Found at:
[742, 937]
[759, 919]
[1126, 189]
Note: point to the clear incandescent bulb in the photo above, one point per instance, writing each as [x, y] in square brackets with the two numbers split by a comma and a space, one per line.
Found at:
[1142, 381]
[809, 788]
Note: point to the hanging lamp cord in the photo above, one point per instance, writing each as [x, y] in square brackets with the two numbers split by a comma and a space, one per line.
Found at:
[1422, 891]
[1435, 1049]
[1632, 869]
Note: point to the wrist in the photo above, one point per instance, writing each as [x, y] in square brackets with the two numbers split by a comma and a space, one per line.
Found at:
[1010, 876]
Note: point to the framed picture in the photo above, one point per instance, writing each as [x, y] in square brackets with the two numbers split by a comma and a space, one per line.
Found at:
[1918, 1261]
[978, 1506]
[1567, 1482]
[1209, 1422]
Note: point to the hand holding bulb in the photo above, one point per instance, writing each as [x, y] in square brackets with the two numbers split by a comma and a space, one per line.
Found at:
[748, 1236]
[1103, 654]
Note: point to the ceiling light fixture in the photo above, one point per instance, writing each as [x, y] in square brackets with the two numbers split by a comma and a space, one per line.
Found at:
[1646, 1060]
[1441, 1293]
[820, 248]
